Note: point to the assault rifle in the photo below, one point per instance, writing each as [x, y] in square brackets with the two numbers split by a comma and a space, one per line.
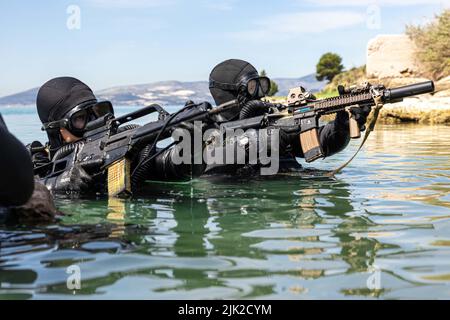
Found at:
[106, 147]
[303, 112]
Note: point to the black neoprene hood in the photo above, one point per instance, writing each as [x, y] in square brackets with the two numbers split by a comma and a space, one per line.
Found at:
[60, 95]
[230, 72]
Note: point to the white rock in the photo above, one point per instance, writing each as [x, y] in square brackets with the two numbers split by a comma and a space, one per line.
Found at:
[148, 95]
[163, 88]
[391, 56]
[183, 93]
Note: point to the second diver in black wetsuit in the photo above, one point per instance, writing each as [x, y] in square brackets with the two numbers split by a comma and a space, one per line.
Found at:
[237, 79]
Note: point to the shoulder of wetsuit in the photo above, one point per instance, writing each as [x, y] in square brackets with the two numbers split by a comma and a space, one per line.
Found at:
[2, 123]
[17, 182]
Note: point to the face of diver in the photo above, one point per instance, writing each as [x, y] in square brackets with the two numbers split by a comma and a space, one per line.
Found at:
[73, 124]
[254, 88]
[68, 137]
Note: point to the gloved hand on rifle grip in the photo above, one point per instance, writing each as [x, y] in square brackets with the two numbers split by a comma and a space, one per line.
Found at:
[360, 114]
[75, 179]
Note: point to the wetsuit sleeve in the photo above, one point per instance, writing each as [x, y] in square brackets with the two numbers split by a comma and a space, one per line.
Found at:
[17, 181]
[172, 164]
[245, 153]
[333, 137]
[73, 180]
[167, 168]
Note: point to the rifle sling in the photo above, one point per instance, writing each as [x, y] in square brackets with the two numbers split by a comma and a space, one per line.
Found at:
[370, 127]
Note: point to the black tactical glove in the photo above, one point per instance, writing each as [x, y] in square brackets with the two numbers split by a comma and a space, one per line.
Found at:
[76, 179]
[38, 152]
[360, 114]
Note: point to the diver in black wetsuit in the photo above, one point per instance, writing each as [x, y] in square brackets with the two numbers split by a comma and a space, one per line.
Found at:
[16, 182]
[65, 105]
[238, 79]
[21, 198]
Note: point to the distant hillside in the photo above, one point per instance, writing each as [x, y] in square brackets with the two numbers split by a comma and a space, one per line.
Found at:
[22, 98]
[309, 82]
[165, 92]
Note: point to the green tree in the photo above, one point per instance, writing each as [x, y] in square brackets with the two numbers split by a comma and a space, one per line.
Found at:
[273, 85]
[329, 65]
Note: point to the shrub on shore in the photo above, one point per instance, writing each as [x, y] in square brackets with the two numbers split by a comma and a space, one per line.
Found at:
[433, 45]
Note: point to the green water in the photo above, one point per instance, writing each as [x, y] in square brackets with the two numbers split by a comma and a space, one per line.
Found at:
[381, 229]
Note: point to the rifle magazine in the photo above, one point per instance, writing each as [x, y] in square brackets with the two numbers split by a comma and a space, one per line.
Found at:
[309, 141]
[119, 178]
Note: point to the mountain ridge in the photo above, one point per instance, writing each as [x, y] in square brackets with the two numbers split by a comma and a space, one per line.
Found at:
[170, 92]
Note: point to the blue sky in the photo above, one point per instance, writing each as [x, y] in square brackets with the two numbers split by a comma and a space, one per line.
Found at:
[138, 41]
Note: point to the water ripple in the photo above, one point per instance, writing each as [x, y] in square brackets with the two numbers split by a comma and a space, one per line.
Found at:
[385, 218]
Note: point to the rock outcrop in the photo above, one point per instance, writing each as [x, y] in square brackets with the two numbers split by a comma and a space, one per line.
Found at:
[391, 61]
[391, 56]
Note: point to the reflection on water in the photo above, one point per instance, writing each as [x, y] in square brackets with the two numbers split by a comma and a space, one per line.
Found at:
[381, 229]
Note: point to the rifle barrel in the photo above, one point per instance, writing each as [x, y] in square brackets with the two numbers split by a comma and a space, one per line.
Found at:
[410, 90]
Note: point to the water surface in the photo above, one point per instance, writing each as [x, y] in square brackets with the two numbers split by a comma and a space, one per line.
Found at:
[381, 229]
